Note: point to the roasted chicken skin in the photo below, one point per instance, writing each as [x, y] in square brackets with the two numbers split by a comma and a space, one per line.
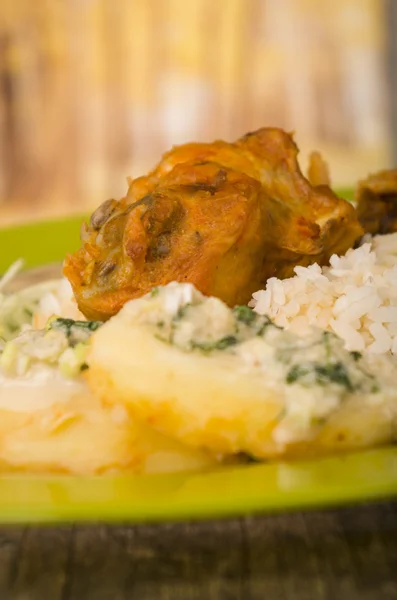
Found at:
[223, 216]
[318, 172]
[376, 199]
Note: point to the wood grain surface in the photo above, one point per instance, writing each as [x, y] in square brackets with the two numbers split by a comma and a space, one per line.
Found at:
[92, 92]
[344, 554]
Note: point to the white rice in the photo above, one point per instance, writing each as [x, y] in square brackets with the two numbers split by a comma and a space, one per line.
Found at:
[355, 297]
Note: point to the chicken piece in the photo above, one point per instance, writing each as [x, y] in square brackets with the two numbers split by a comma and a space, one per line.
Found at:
[376, 199]
[318, 172]
[222, 216]
[177, 233]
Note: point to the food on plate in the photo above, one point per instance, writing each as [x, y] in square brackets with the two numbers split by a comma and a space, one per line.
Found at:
[44, 429]
[355, 297]
[34, 305]
[231, 381]
[223, 216]
[226, 310]
[376, 199]
[50, 421]
[179, 381]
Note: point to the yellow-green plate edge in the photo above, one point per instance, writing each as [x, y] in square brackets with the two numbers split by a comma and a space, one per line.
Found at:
[273, 487]
[39, 243]
[225, 492]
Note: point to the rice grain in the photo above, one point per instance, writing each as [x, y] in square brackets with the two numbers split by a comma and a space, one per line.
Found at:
[355, 297]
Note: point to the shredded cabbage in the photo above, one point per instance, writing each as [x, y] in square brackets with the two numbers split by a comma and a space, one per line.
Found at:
[32, 306]
[10, 273]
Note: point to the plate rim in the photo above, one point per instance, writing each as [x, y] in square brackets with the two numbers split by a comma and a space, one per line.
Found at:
[369, 475]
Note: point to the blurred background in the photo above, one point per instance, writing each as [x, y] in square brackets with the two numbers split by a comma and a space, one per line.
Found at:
[93, 91]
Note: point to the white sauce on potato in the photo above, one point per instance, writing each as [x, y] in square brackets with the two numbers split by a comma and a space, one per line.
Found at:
[314, 375]
[311, 377]
[40, 368]
[40, 388]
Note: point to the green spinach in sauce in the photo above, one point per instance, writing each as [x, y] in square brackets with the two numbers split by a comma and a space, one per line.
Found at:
[321, 374]
[75, 331]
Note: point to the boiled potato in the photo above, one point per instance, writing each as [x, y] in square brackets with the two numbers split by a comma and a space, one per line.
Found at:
[230, 382]
[63, 428]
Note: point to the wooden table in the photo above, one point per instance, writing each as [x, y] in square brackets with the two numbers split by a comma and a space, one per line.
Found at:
[341, 554]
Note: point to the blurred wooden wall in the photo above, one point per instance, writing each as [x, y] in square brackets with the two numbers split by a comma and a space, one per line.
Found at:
[92, 91]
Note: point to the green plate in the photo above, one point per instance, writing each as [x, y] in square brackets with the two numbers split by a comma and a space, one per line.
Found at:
[224, 492]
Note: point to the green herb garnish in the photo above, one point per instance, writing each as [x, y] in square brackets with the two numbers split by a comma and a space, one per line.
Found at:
[181, 312]
[244, 314]
[323, 374]
[334, 373]
[221, 344]
[296, 373]
[265, 324]
[75, 331]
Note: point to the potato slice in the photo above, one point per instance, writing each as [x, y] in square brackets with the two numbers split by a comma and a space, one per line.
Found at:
[267, 395]
[72, 431]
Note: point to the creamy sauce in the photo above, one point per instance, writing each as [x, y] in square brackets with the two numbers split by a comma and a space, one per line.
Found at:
[40, 368]
[41, 388]
[313, 375]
